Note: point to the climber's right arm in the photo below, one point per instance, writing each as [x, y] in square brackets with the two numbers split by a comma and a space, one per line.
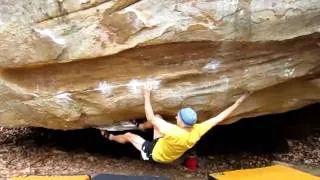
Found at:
[156, 120]
[147, 103]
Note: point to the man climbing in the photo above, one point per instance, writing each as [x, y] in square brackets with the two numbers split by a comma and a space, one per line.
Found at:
[170, 141]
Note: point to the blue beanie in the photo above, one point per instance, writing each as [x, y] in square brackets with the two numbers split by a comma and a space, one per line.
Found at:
[188, 116]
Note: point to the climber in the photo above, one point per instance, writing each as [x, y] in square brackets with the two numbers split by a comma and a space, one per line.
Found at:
[170, 141]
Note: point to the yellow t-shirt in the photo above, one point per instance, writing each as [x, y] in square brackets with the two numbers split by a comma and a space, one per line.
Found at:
[177, 141]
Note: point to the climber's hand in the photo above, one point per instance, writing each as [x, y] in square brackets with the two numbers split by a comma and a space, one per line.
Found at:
[243, 97]
[147, 89]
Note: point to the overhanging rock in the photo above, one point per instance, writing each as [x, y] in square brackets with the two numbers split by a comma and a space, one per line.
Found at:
[71, 64]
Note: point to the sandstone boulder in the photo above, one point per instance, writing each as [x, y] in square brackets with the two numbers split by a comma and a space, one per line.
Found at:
[69, 64]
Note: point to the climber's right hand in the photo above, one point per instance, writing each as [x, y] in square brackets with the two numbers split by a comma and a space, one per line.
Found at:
[147, 89]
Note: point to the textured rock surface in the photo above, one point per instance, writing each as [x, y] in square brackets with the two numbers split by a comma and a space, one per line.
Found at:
[70, 64]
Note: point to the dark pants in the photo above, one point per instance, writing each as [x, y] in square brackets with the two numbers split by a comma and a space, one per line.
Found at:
[147, 148]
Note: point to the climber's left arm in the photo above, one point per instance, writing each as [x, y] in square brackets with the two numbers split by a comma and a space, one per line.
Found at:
[208, 124]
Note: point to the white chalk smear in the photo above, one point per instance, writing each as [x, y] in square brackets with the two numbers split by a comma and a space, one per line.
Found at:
[104, 87]
[64, 96]
[289, 72]
[84, 1]
[48, 33]
[224, 7]
[222, 84]
[2, 25]
[293, 101]
[155, 83]
[136, 86]
[167, 57]
[241, 12]
[212, 65]
[226, 82]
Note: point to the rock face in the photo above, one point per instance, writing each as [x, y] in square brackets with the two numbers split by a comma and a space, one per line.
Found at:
[68, 64]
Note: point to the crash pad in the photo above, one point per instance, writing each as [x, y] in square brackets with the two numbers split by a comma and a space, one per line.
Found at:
[265, 173]
[52, 178]
[125, 177]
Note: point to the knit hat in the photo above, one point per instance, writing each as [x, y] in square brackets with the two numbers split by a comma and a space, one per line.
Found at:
[188, 116]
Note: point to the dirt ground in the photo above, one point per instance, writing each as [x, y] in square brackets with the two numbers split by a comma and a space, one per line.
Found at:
[251, 143]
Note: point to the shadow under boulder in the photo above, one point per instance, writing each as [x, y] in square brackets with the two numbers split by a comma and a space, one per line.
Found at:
[265, 134]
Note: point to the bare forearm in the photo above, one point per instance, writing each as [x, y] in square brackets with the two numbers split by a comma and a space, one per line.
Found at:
[222, 116]
[226, 113]
[148, 108]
